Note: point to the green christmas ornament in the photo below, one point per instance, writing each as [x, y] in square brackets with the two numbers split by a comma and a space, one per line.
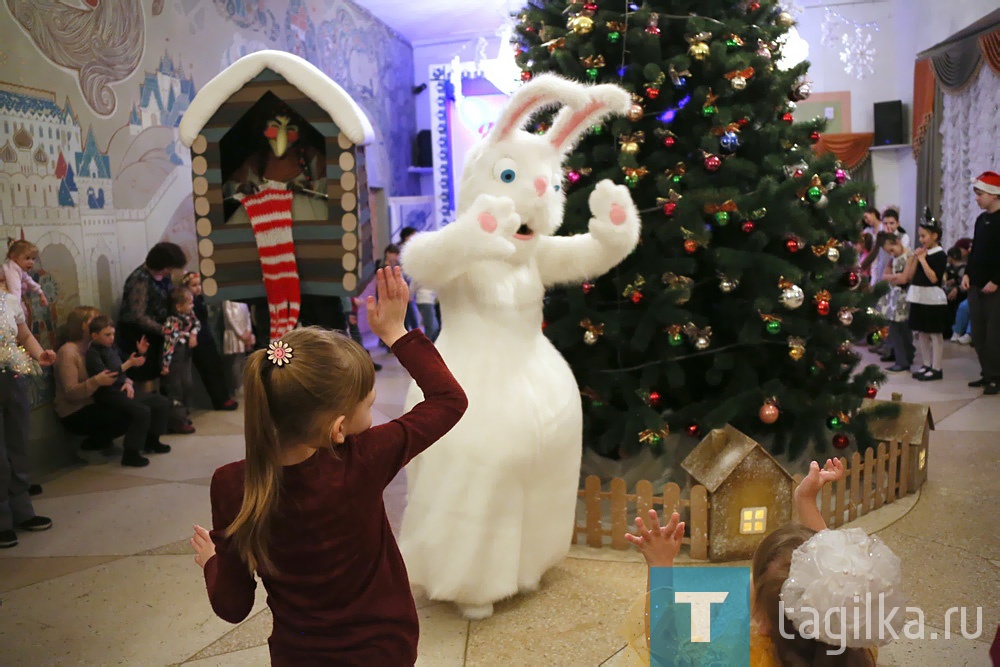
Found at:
[632, 180]
[835, 423]
[592, 73]
[815, 194]
[709, 111]
[676, 178]
[676, 339]
[862, 202]
[597, 129]
[814, 370]
[722, 218]
[774, 327]
[614, 36]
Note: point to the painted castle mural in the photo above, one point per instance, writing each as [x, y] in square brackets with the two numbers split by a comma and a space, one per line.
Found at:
[91, 169]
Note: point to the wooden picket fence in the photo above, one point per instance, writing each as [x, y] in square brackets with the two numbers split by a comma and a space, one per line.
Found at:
[877, 479]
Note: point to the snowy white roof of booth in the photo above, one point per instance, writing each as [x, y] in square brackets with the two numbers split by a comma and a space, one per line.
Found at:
[302, 74]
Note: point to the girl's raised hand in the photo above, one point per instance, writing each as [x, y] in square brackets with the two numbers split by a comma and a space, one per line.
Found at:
[387, 313]
[142, 346]
[659, 545]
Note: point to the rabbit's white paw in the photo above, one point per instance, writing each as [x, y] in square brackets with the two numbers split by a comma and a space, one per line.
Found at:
[612, 208]
[495, 222]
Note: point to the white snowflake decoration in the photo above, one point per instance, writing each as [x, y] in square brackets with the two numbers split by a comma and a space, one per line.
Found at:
[854, 42]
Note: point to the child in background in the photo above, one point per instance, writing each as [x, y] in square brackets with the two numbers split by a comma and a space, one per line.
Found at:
[304, 510]
[797, 571]
[148, 411]
[237, 341]
[21, 257]
[180, 337]
[16, 509]
[890, 223]
[205, 356]
[350, 305]
[928, 302]
[953, 284]
[894, 306]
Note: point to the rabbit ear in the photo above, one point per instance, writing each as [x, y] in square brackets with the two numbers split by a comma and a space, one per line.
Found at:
[543, 91]
[570, 124]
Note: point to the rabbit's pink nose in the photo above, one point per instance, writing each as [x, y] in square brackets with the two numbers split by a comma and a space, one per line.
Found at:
[541, 186]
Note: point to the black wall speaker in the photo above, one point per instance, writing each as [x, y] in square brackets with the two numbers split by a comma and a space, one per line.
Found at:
[888, 123]
[424, 157]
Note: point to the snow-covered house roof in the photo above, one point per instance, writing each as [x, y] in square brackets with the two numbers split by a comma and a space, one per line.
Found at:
[302, 74]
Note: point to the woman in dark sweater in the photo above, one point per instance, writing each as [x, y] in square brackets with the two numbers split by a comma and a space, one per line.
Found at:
[145, 306]
[334, 576]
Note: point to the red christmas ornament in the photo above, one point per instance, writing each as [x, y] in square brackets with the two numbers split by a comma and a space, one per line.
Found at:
[841, 441]
[814, 137]
[652, 93]
[799, 173]
[788, 117]
[769, 413]
[713, 163]
[871, 391]
[654, 398]
[749, 226]
[743, 122]
[793, 244]
[753, 6]
[587, 287]
[525, 75]
[670, 208]
[823, 308]
[853, 279]
[636, 297]
[590, 7]
[692, 430]
[691, 246]
[669, 141]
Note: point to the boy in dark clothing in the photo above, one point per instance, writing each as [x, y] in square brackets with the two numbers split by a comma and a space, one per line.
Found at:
[147, 412]
[982, 279]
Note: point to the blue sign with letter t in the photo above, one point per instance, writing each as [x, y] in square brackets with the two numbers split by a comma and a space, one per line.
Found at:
[699, 616]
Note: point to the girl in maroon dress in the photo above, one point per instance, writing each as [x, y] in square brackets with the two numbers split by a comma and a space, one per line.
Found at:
[304, 511]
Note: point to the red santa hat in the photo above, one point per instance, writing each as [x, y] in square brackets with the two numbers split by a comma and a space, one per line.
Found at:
[988, 181]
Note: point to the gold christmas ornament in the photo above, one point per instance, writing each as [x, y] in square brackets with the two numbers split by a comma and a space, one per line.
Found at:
[630, 142]
[581, 25]
[593, 331]
[682, 284]
[796, 347]
[785, 20]
[699, 51]
[635, 113]
[727, 284]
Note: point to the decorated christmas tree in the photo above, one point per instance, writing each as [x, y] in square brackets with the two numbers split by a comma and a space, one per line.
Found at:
[743, 299]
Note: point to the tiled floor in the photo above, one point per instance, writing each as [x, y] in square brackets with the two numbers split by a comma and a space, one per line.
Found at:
[114, 583]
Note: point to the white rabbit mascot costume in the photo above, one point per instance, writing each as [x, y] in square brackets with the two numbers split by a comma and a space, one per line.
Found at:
[492, 505]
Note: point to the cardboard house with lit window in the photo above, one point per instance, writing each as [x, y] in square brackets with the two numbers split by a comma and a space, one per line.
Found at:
[911, 428]
[226, 123]
[749, 493]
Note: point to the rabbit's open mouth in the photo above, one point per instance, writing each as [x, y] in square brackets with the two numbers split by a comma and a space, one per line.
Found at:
[523, 232]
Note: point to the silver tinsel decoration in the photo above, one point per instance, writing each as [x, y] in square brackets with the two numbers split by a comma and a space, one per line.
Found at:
[14, 358]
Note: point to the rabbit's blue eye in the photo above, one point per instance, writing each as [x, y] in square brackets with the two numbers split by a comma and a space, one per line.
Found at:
[558, 187]
[508, 175]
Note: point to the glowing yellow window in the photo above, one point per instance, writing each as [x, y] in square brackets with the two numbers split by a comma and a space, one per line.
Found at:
[753, 520]
[922, 459]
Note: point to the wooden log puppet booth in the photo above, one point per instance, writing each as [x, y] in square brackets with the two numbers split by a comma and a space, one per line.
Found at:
[491, 506]
[280, 191]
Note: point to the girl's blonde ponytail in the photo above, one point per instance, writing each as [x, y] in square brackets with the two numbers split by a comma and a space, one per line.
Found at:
[262, 479]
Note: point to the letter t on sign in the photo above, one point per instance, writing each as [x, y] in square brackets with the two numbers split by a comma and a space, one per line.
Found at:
[701, 611]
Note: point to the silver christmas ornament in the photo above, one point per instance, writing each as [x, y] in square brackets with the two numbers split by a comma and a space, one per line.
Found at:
[832, 254]
[589, 337]
[701, 342]
[727, 285]
[792, 297]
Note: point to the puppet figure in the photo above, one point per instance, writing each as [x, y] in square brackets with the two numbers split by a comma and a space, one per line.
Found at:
[491, 506]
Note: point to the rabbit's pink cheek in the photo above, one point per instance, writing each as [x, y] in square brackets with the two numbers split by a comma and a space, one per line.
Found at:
[541, 186]
[487, 222]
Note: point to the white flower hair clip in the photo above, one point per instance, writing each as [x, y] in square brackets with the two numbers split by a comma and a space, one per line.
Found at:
[836, 580]
[279, 353]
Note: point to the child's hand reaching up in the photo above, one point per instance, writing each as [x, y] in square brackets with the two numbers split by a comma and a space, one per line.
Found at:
[809, 488]
[659, 545]
[386, 314]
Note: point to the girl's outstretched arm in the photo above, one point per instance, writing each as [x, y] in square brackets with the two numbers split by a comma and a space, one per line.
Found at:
[809, 488]
[231, 587]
